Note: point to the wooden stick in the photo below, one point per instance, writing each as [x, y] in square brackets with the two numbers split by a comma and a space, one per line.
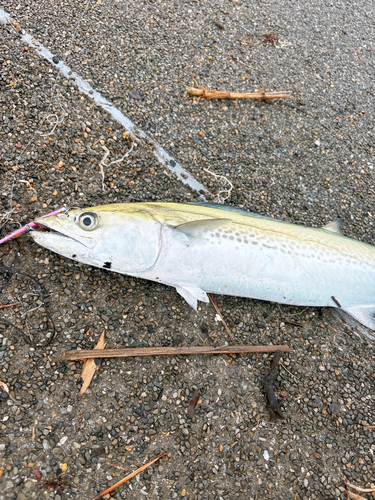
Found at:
[223, 94]
[168, 351]
[222, 319]
[353, 496]
[3, 306]
[245, 41]
[358, 488]
[129, 476]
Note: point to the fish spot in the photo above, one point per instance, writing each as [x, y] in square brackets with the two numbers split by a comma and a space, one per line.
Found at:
[231, 237]
[217, 235]
[267, 246]
[239, 240]
[107, 265]
[225, 236]
[237, 233]
[246, 241]
[254, 242]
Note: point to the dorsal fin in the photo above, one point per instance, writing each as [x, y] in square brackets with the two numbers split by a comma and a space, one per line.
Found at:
[335, 226]
[229, 208]
[199, 228]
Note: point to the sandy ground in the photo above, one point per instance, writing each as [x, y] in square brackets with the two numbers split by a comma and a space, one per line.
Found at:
[306, 160]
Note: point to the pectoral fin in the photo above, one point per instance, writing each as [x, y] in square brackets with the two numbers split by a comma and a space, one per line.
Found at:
[335, 226]
[192, 294]
[363, 314]
[199, 228]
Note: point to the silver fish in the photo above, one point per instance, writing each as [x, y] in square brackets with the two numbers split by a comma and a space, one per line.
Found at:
[206, 248]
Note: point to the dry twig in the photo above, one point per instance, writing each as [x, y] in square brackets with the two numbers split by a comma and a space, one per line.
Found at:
[354, 496]
[224, 94]
[286, 369]
[222, 319]
[245, 41]
[358, 488]
[129, 476]
[168, 351]
[3, 306]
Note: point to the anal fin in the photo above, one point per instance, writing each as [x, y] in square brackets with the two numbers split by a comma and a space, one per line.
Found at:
[363, 314]
[192, 294]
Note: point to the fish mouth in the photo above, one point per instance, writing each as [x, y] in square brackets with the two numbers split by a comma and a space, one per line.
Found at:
[44, 232]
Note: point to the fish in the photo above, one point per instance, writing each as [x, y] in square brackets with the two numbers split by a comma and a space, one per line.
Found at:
[201, 248]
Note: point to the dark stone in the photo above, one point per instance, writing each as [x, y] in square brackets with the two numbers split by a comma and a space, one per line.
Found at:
[335, 409]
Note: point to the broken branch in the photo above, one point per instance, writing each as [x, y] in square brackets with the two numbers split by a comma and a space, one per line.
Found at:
[224, 94]
[222, 319]
[245, 41]
[358, 488]
[129, 476]
[3, 306]
[354, 496]
[168, 351]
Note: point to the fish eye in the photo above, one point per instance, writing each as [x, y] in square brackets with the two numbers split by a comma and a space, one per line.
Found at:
[88, 221]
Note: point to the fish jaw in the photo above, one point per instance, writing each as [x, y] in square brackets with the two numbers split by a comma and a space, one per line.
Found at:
[125, 242]
[64, 245]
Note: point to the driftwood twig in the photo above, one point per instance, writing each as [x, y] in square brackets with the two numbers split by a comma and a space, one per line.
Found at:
[129, 476]
[273, 403]
[358, 488]
[168, 351]
[3, 306]
[354, 496]
[222, 319]
[224, 94]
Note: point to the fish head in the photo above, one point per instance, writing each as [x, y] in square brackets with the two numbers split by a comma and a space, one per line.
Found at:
[119, 237]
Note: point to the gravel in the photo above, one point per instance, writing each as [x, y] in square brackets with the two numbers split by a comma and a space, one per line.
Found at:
[307, 160]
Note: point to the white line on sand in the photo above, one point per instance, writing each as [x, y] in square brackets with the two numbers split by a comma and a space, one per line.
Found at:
[161, 154]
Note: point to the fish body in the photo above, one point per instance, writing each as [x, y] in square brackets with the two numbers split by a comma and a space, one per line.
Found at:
[207, 248]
